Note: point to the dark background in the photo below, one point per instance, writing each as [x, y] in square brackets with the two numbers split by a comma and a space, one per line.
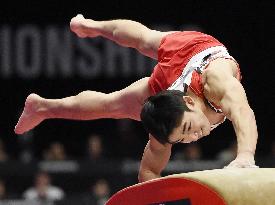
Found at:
[245, 27]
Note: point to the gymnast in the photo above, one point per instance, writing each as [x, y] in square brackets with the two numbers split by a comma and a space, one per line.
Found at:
[193, 88]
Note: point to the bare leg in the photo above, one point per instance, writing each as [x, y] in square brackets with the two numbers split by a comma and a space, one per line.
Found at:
[87, 105]
[124, 32]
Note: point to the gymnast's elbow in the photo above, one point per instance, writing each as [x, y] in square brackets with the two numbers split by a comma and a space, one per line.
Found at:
[244, 111]
[146, 175]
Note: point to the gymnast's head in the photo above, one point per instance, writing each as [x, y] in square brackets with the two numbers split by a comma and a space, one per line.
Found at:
[172, 117]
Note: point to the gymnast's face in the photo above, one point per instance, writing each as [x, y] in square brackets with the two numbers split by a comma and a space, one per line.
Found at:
[194, 125]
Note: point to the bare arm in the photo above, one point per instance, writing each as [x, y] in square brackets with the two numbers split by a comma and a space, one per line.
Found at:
[227, 91]
[154, 160]
[126, 33]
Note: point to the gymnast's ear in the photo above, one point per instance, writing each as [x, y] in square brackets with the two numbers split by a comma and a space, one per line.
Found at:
[190, 103]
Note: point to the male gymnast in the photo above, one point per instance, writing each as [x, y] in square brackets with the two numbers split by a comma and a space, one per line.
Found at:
[194, 87]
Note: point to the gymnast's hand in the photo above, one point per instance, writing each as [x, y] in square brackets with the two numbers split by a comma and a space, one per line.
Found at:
[243, 160]
[84, 27]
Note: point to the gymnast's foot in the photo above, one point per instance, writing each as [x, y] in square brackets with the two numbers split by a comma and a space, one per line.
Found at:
[32, 114]
[84, 27]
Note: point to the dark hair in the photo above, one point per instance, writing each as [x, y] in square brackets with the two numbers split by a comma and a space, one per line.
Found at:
[162, 113]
